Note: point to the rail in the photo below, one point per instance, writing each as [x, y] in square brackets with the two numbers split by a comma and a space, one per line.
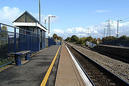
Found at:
[113, 76]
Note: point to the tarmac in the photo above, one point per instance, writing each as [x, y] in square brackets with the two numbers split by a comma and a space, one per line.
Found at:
[32, 72]
[47, 68]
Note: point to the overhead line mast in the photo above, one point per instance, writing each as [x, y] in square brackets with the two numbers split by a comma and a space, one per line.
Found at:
[39, 12]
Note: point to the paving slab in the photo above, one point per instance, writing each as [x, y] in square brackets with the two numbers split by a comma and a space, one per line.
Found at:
[32, 72]
[67, 73]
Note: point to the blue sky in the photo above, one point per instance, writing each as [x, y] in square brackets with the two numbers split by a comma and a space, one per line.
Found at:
[73, 16]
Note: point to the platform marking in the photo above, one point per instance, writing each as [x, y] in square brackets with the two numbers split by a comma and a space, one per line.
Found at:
[45, 79]
[82, 74]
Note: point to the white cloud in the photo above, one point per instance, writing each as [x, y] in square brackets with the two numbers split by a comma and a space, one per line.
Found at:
[102, 11]
[69, 30]
[8, 14]
[79, 31]
[76, 30]
[124, 24]
[95, 30]
[58, 31]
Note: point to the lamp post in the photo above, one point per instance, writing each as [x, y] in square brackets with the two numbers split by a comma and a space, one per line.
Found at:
[49, 21]
[118, 21]
[45, 21]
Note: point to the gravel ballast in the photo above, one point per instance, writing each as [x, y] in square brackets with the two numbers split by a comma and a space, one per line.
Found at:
[117, 67]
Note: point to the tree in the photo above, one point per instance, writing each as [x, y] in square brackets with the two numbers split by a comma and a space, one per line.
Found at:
[94, 41]
[109, 38]
[59, 38]
[68, 39]
[74, 38]
[3, 42]
[82, 41]
[55, 36]
[89, 39]
[4, 32]
[124, 37]
[3, 35]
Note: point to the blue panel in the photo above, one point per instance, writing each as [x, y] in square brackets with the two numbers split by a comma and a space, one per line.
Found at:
[19, 39]
[51, 42]
[14, 40]
[43, 39]
[18, 60]
[38, 41]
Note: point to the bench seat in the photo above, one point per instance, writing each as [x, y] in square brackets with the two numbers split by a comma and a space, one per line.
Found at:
[17, 56]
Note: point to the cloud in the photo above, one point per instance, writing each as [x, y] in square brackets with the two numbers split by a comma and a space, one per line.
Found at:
[82, 30]
[8, 14]
[96, 31]
[58, 31]
[102, 11]
[76, 30]
[79, 31]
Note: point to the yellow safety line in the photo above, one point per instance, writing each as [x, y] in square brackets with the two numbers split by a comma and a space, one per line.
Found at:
[44, 81]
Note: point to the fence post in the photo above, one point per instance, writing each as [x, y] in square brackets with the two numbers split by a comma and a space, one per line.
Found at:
[9, 44]
[38, 39]
[14, 39]
[41, 38]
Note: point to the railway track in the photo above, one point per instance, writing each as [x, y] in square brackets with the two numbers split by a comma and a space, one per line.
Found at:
[111, 55]
[98, 75]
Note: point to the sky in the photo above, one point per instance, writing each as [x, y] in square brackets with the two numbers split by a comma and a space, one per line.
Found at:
[73, 17]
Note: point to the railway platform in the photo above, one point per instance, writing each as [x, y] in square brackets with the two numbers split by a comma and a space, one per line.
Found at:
[33, 72]
[67, 74]
[52, 66]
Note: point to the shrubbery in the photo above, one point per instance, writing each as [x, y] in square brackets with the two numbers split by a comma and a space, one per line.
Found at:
[121, 41]
[81, 41]
[56, 37]
[110, 40]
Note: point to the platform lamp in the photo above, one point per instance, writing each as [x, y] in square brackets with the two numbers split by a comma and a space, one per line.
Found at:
[49, 21]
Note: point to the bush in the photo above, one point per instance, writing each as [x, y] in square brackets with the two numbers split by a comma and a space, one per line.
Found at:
[74, 38]
[111, 40]
[81, 41]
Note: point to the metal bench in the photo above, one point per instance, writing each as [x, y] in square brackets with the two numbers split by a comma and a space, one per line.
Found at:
[18, 55]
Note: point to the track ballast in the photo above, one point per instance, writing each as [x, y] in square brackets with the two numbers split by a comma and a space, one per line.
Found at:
[98, 75]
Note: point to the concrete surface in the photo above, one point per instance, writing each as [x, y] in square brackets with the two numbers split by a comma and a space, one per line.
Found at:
[67, 73]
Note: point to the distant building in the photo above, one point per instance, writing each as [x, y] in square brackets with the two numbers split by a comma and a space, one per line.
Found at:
[27, 22]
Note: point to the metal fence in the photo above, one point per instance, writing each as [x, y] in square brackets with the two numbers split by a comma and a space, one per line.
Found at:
[51, 41]
[13, 39]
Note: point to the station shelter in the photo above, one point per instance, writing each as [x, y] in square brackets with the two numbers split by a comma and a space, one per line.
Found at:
[31, 32]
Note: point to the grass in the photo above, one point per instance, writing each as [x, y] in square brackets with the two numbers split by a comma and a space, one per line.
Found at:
[5, 61]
